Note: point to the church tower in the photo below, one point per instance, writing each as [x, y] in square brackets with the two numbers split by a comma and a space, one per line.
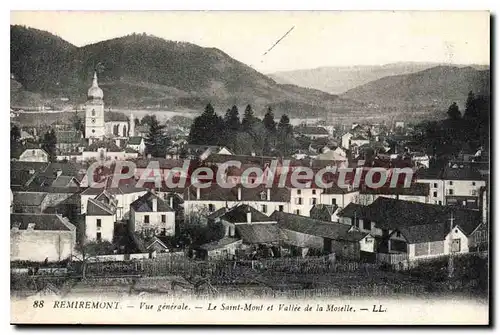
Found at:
[131, 128]
[94, 112]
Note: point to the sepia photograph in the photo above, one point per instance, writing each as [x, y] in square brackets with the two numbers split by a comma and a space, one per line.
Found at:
[250, 167]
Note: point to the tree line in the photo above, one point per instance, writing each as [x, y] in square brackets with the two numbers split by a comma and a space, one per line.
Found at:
[251, 135]
[470, 128]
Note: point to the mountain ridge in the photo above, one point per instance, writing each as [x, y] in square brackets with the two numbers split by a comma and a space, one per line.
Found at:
[148, 71]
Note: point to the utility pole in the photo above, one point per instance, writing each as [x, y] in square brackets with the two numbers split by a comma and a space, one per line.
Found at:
[450, 259]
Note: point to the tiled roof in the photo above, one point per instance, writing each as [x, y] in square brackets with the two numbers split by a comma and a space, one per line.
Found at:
[108, 145]
[311, 130]
[42, 222]
[217, 193]
[145, 204]
[218, 213]
[135, 140]
[466, 173]
[239, 214]
[310, 226]
[394, 214]
[29, 198]
[322, 211]
[419, 189]
[163, 163]
[96, 207]
[260, 233]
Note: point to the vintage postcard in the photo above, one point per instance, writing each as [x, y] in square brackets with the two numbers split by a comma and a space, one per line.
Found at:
[265, 168]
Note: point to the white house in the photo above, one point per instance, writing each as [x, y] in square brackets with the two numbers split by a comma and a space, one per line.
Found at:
[153, 215]
[100, 219]
[453, 186]
[34, 155]
[346, 140]
[137, 143]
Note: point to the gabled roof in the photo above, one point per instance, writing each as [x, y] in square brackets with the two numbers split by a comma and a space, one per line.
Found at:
[41, 221]
[394, 214]
[96, 207]
[218, 213]
[239, 214]
[324, 209]
[311, 130]
[310, 226]
[29, 198]
[135, 140]
[260, 233]
[145, 204]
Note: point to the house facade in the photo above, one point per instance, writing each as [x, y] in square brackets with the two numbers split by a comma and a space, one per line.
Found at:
[151, 214]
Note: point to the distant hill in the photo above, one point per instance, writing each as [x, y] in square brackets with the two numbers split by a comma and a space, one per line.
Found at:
[337, 80]
[435, 88]
[142, 71]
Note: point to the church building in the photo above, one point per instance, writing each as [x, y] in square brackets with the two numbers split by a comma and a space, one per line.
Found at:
[99, 124]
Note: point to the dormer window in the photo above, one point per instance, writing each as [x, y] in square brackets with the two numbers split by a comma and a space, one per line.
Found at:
[31, 226]
[263, 195]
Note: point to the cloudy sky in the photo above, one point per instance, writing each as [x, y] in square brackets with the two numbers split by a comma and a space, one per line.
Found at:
[318, 38]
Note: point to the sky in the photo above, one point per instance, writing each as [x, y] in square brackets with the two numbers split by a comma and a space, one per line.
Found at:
[346, 38]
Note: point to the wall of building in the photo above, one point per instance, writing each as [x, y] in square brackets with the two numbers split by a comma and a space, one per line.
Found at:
[107, 229]
[37, 245]
[307, 197]
[137, 221]
[346, 249]
[303, 240]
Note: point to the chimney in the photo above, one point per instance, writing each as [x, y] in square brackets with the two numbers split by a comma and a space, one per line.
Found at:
[58, 173]
[155, 204]
[249, 215]
[268, 194]
[171, 202]
[239, 193]
[197, 193]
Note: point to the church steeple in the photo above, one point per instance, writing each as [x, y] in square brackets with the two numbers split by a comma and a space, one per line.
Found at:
[95, 92]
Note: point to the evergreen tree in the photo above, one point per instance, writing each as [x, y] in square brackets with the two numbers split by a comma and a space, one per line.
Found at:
[137, 122]
[49, 143]
[207, 128]
[156, 141]
[232, 119]
[284, 126]
[268, 121]
[15, 145]
[454, 112]
[248, 119]
[470, 112]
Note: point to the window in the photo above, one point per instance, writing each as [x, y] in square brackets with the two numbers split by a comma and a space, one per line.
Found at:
[451, 183]
[299, 192]
[98, 223]
[146, 218]
[313, 201]
[455, 245]
[435, 194]
[367, 225]
[280, 208]
[298, 201]
[473, 183]
[163, 218]
[93, 130]
[211, 207]
[297, 211]
[334, 201]
[98, 237]
[314, 191]
[264, 208]
[263, 196]
[440, 202]
[450, 192]
[93, 112]
[435, 185]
